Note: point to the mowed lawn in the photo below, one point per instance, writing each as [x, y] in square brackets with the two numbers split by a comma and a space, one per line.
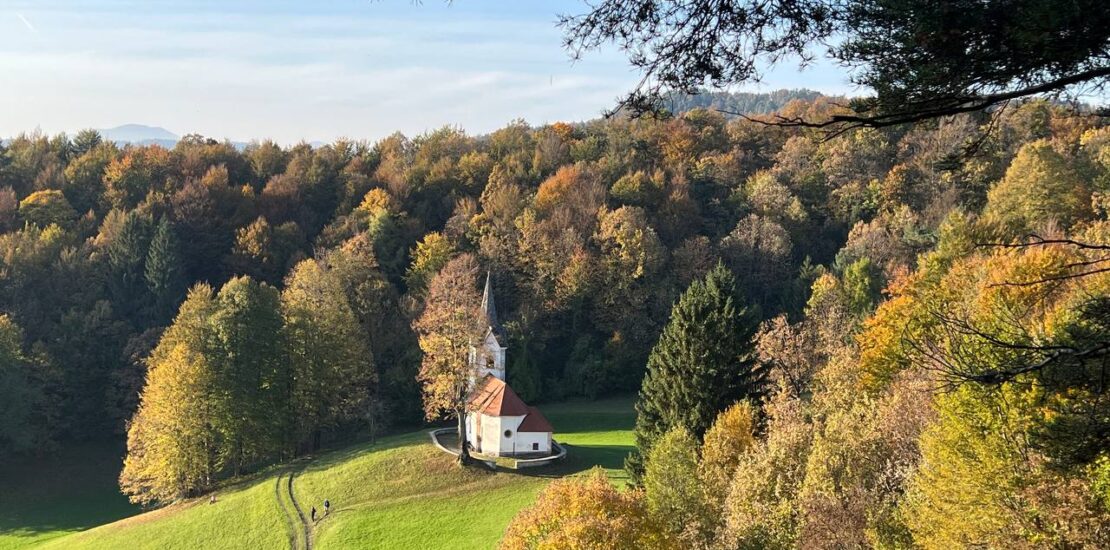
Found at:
[400, 492]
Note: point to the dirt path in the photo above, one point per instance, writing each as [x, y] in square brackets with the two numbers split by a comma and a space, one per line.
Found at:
[295, 521]
[300, 513]
[288, 516]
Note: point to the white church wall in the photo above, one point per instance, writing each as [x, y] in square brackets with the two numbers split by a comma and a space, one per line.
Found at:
[533, 442]
[508, 444]
[491, 434]
[473, 429]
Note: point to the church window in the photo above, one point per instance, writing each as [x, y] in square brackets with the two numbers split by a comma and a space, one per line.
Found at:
[508, 433]
[535, 446]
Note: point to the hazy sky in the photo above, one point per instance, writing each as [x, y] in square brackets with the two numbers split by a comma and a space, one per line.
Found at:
[307, 69]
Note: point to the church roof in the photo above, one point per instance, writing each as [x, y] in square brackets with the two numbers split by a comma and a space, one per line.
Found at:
[496, 398]
[535, 422]
[489, 308]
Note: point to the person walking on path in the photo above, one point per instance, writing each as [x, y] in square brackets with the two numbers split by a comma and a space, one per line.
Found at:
[327, 507]
[313, 514]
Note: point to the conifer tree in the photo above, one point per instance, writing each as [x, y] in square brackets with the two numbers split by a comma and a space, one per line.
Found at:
[164, 272]
[703, 363]
[524, 374]
[126, 258]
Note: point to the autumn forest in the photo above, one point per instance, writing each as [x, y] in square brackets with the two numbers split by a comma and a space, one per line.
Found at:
[898, 333]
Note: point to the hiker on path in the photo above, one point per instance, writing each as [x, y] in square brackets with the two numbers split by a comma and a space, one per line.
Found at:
[313, 514]
[327, 506]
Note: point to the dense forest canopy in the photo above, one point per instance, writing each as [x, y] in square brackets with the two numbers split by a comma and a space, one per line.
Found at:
[227, 308]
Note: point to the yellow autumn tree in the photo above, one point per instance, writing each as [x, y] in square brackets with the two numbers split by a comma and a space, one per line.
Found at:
[586, 513]
[171, 442]
[1041, 185]
[428, 257]
[732, 434]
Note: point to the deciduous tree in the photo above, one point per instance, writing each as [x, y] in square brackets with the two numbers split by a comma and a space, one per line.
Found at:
[452, 321]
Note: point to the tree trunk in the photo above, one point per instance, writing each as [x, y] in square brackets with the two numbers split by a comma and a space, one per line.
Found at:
[464, 451]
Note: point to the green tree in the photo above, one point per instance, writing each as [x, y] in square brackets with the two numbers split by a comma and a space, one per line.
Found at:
[378, 307]
[523, 373]
[251, 375]
[332, 368]
[164, 271]
[1041, 185]
[703, 362]
[24, 417]
[127, 253]
[675, 495]
[84, 177]
[86, 140]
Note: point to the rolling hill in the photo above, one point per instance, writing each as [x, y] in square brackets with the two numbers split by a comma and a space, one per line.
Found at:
[398, 492]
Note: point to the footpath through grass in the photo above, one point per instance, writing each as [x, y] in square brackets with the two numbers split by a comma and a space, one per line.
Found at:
[400, 492]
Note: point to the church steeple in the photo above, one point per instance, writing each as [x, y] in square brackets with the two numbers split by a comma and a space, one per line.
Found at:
[488, 307]
[488, 357]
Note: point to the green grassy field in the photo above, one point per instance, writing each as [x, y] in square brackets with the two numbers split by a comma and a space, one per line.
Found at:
[400, 492]
[72, 490]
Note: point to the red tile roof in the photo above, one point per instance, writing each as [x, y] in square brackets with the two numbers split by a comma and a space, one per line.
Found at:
[535, 422]
[496, 398]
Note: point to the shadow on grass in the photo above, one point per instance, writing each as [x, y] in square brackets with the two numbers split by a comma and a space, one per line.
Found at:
[581, 458]
[70, 490]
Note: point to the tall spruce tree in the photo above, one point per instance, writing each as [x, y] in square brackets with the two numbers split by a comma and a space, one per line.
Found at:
[126, 260]
[165, 274]
[703, 362]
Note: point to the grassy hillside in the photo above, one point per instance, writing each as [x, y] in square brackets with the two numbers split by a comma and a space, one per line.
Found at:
[398, 492]
[72, 490]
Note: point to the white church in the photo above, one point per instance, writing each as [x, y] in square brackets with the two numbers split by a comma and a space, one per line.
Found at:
[498, 422]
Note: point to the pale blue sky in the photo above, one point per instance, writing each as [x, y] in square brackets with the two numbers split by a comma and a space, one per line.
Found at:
[306, 69]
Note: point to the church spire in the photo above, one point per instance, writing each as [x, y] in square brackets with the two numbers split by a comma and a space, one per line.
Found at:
[488, 307]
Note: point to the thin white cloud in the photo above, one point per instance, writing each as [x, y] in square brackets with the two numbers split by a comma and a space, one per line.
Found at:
[289, 76]
[26, 23]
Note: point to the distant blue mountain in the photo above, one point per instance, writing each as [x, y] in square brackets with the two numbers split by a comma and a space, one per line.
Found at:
[140, 134]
